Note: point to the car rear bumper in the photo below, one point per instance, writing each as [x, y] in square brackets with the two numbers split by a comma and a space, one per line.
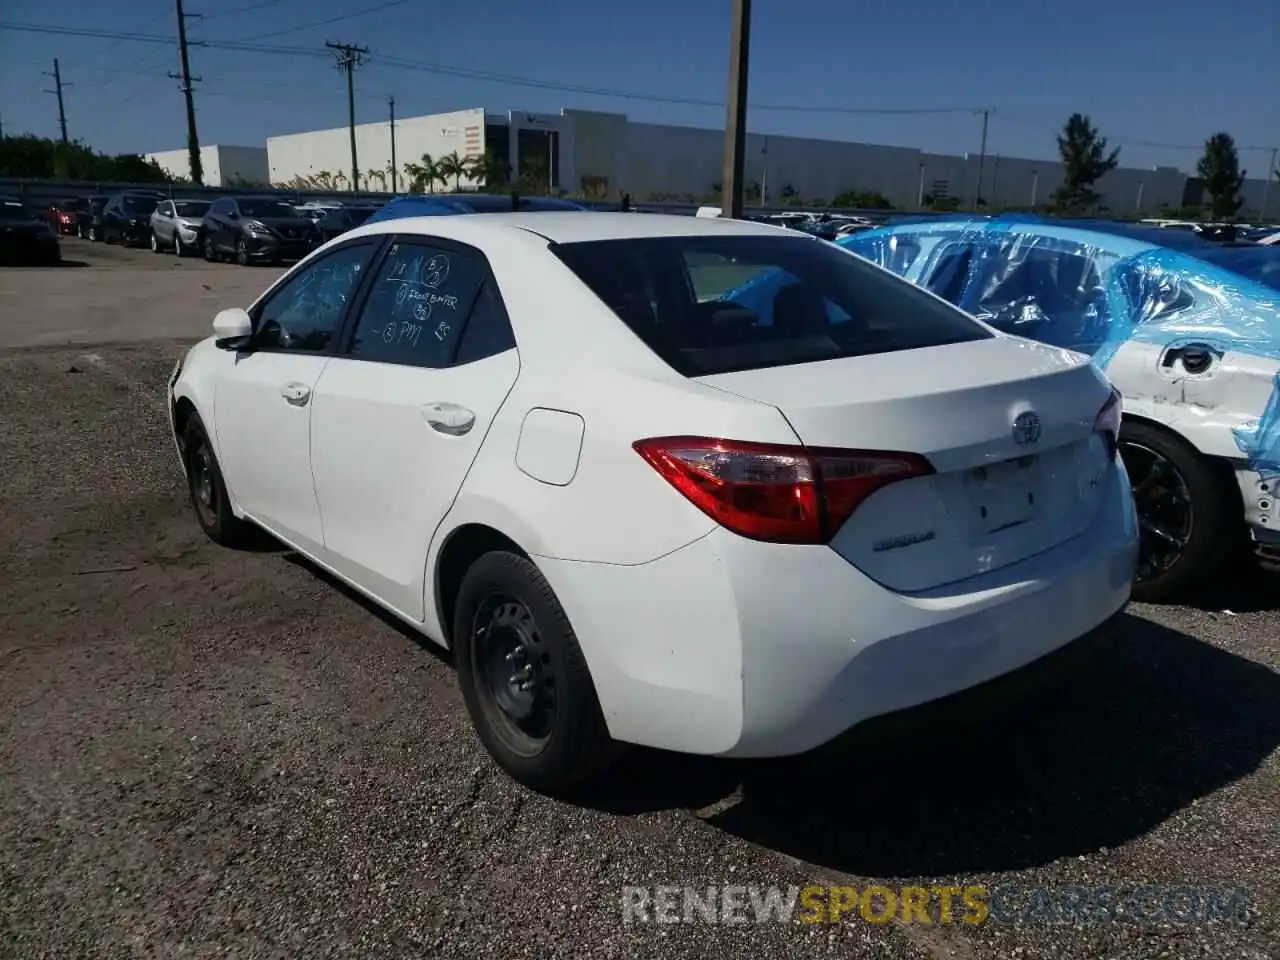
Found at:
[738, 648]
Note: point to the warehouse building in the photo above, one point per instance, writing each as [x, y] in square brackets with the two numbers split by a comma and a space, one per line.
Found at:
[605, 155]
[223, 166]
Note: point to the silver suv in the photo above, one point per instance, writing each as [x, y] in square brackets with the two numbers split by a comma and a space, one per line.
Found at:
[177, 225]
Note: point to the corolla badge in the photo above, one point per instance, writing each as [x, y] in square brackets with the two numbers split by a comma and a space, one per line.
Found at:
[1026, 428]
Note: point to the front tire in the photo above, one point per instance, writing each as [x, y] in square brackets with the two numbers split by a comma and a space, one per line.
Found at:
[210, 254]
[242, 252]
[94, 236]
[523, 676]
[1188, 513]
[208, 491]
[155, 242]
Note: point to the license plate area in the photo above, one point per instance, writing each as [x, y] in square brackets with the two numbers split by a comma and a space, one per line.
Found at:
[1004, 495]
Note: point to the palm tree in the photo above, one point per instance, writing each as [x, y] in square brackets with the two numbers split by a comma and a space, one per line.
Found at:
[452, 167]
[340, 178]
[379, 175]
[322, 179]
[423, 174]
[489, 169]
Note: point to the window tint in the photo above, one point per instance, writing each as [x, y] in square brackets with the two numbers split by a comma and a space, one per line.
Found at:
[220, 207]
[305, 314]
[488, 331]
[717, 304]
[417, 306]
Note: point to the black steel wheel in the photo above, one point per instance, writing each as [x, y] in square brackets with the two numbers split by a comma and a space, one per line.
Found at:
[208, 492]
[518, 686]
[1188, 513]
[523, 676]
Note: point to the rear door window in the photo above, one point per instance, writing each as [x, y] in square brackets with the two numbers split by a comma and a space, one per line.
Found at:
[1047, 289]
[711, 305]
[418, 305]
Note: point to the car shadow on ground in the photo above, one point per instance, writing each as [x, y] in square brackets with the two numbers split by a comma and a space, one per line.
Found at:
[1135, 731]
[45, 266]
[1245, 587]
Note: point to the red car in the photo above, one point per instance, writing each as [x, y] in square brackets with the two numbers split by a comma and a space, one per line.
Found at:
[63, 215]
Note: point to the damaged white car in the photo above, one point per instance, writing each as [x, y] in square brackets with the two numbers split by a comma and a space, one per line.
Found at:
[1188, 329]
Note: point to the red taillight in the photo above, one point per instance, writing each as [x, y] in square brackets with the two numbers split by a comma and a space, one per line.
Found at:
[1108, 420]
[775, 492]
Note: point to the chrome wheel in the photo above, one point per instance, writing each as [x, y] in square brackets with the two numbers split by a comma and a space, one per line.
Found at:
[1166, 517]
[514, 664]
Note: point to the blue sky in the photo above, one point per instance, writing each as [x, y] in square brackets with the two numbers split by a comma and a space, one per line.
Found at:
[1157, 77]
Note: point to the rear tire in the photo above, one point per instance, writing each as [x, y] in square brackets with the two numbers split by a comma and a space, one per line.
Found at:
[208, 491]
[523, 676]
[1189, 514]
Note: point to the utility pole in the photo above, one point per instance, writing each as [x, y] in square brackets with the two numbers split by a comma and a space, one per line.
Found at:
[187, 81]
[764, 173]
[982, 159]
[391, 103]
[735, 127]
[1266, 187]
[349, 57]
[57, 91]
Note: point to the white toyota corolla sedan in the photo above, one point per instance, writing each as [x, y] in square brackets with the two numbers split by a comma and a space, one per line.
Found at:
[640, 513]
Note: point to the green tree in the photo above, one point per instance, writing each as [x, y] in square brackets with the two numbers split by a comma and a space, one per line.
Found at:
[489, 169]
[40, 158]
[1085, 161]
[452, 167]
[423, 174]
[1219, 168]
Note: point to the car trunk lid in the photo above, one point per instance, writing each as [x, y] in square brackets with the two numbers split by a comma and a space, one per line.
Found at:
[1007, 424]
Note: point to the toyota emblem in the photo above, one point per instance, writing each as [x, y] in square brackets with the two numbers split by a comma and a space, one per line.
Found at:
[1026, 428]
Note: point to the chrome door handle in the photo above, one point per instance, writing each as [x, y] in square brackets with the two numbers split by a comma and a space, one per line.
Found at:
[296, 393]
[448, 418]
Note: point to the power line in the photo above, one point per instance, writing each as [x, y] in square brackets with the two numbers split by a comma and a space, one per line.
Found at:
[508, 79]
[238, 10]
[324, 23]
[349, 56]
[57, 91]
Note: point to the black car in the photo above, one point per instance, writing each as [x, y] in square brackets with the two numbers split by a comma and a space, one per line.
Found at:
[89, 220]
[127, 218]
[25, 236]
[257, 230]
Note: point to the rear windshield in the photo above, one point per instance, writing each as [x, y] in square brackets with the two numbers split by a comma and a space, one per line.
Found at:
[192, 208]
[140, 205]
[266, 208]
[12, 210]
[710, 305]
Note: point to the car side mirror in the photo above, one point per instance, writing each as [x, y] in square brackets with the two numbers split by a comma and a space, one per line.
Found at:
[232, 329]
[232, 215]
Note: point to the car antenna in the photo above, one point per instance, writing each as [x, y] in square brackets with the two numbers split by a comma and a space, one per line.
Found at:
[515, 201]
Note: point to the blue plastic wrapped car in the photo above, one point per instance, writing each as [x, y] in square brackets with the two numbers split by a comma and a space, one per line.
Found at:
[1188, 329]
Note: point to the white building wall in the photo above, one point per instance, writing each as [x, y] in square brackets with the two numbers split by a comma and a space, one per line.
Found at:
[221, 165]
[304, 155]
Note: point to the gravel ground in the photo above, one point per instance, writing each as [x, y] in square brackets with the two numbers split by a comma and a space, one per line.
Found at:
[208, 753]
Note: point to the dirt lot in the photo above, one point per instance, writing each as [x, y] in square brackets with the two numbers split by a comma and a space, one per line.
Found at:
[216, 754]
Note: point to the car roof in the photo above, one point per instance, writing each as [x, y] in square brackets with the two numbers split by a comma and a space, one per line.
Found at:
[577, 226]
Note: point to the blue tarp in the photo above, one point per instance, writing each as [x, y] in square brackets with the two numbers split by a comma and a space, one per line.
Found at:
[1089, 288]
